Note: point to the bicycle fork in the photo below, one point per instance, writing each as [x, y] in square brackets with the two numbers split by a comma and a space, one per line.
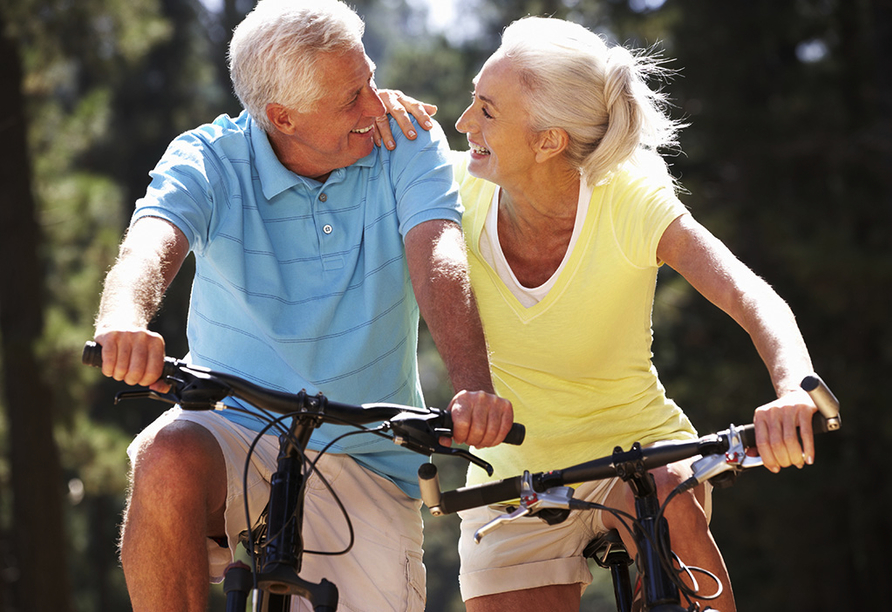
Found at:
[659, 590]
[281, 553]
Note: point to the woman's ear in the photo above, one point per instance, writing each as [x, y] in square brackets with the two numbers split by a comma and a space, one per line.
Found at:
[551, 142]
[280, 117]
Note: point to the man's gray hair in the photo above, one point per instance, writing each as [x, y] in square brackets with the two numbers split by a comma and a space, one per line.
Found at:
[272, 55]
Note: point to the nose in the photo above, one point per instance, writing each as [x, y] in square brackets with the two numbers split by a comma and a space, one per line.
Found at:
[462, 125]
[374, 106]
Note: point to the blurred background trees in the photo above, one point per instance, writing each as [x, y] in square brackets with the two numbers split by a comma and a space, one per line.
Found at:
[788, 159]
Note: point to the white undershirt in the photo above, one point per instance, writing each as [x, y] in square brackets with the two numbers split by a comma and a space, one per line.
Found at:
[491, 249]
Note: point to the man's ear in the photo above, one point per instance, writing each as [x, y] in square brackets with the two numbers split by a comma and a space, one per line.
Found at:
[280, 117]
[551, 142]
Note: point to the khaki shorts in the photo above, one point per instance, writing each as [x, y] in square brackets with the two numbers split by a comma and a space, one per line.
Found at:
[383, 570]
[528, 553]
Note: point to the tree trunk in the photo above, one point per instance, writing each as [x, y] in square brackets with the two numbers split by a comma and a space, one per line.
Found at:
[39, 578]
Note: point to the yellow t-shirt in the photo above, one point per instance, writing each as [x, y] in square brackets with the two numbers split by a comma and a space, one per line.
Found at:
[577, 365]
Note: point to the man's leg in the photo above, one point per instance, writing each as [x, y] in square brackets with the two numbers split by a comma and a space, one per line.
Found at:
[177, 498]
[383, 572]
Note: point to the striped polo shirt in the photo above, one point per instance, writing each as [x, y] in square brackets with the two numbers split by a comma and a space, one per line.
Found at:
[301, 284]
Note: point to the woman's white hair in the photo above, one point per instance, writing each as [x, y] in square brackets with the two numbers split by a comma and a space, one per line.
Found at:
[272, 54]
[597, 94]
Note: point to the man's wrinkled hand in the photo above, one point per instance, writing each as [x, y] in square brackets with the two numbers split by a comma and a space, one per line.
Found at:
[480, 419]
[135, 357]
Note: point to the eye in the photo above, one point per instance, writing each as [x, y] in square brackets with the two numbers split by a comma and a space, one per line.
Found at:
[352, 102]
[482, 108]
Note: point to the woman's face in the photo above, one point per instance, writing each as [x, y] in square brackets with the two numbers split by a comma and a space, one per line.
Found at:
[497, 126]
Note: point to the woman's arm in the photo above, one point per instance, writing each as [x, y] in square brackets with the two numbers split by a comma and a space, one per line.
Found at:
[720, 277]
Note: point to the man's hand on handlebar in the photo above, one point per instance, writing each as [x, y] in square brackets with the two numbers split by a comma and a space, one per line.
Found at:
[479, 419]
[134, 356]
[784, 433]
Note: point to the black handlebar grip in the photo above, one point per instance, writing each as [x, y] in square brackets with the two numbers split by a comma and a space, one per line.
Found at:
[826, 419]
[516, 434]
[92, 355]
[748, 435]
[480, 495]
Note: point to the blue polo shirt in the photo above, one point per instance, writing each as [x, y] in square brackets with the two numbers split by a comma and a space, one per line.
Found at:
[301, 284]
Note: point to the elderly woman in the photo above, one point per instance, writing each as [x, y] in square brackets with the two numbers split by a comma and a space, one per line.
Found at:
[569, 214]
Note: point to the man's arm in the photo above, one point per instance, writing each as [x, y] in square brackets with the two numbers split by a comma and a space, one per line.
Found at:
[438, 266]
[149, 259]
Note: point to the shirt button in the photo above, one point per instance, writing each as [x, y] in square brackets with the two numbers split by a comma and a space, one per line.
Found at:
[322, 197]
[327, 229]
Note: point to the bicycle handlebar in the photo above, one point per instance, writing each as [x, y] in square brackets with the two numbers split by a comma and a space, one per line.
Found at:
[198, 388]
[732, 443]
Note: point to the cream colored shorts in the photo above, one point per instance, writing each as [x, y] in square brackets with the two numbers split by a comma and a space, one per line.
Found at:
[383, 570]
[528, 553]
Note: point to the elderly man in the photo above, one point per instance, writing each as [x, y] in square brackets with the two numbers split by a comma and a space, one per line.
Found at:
[315, 252]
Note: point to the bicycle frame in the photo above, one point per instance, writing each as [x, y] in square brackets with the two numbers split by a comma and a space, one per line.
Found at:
[721, 453]
[660, 591]
[197, 388]
[281, 555]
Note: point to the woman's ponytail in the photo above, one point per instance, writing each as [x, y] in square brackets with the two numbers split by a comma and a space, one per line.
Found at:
[598, 94]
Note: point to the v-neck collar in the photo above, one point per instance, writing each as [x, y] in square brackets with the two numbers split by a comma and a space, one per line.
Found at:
[562, 276]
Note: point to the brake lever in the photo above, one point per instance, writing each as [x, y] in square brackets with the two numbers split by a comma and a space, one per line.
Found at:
[531, 503]
[467, 456]
[167, 398]
[189, 390]
[420, 433]
[734, 459]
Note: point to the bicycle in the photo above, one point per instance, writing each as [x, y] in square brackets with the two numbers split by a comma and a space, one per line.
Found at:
[275, 544]
[549, 496]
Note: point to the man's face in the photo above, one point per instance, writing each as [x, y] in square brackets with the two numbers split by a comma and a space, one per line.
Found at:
[339, 131]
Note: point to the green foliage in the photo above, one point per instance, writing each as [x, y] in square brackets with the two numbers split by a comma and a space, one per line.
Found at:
[786, 160]
[435, 72]
[783, 163]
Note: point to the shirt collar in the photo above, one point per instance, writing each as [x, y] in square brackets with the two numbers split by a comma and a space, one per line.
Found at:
[276, 178]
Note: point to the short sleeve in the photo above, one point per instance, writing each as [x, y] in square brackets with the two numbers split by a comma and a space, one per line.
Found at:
[642, 209]
[182, 190]
[422, 175]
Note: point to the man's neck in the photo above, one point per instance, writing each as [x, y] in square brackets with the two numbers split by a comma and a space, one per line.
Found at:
[298, 164]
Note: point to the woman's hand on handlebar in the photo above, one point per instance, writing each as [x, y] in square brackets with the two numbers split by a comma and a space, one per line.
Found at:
[400, 106]
[479, 419]
[784, 434]
[134, 356]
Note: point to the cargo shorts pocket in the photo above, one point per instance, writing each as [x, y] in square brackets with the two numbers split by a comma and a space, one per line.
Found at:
[416, 582]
